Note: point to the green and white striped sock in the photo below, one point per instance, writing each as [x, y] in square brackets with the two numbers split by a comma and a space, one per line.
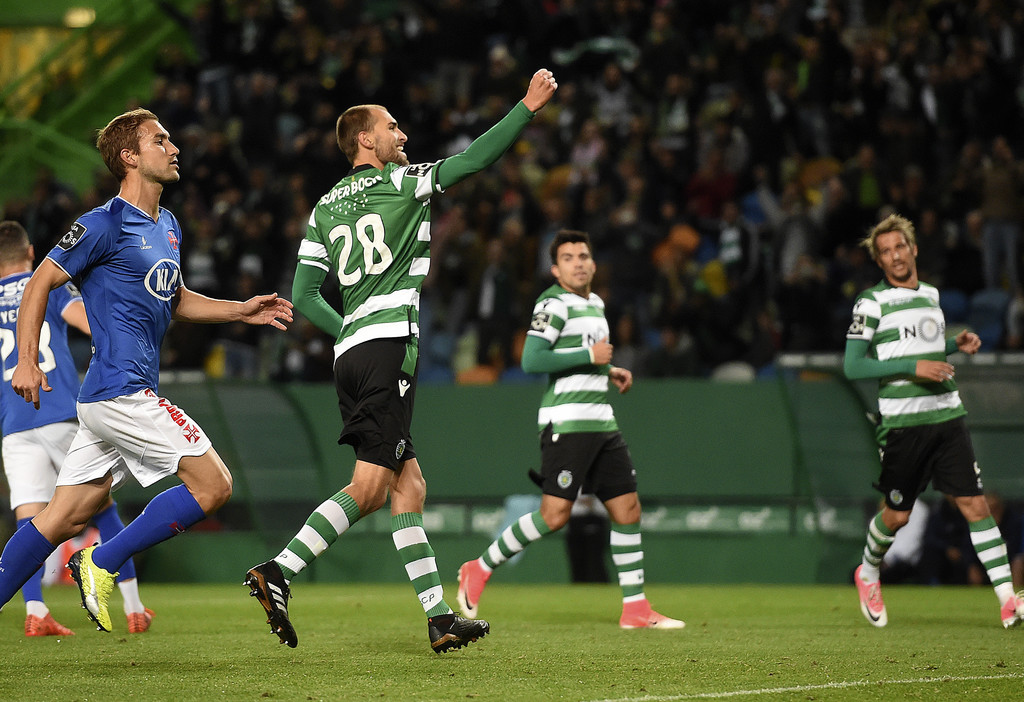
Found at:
[329, 521]
[628, 557]
[517, 536]
[991, 550]
[880, 538]
[414, 549]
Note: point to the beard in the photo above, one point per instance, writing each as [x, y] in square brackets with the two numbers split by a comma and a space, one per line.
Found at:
[389, 153]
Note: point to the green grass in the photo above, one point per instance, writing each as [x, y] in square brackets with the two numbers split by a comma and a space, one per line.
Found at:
[553, 642]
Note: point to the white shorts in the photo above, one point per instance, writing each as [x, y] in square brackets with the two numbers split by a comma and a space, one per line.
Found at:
[140, 434]
[32, 459]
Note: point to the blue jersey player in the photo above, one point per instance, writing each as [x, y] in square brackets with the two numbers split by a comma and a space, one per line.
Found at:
[35, 442]
[124, 257]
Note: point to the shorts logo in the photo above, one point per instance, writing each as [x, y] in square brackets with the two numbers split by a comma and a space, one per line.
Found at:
[896, 497]
[191, 433]
[564, 479]
[403, 387]
[73, 236]
[977, 472]
[399, 449]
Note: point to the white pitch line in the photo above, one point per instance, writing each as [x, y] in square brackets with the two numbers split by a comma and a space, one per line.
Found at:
[809, 688]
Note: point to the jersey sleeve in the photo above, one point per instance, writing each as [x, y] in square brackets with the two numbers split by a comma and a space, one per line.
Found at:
[61, 298]
[866, 313]
[419, 179]
[90, 239]
[312, 250]
[549, 315]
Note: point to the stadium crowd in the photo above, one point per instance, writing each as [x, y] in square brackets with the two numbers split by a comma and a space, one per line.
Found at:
[725, 158]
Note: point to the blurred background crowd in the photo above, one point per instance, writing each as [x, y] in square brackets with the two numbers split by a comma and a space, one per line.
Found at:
[725, 157]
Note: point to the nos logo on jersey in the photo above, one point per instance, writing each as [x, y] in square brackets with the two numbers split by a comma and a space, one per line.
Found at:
[163, 279]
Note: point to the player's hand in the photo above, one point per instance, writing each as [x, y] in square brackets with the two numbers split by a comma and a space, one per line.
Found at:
[267, 309]
[938, 371]
[27, 380]
[542, 87]
[601, 352]
[622, 378]
[968, 342]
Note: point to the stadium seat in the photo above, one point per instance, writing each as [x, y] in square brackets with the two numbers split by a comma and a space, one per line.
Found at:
[955, 305]
[987, 316]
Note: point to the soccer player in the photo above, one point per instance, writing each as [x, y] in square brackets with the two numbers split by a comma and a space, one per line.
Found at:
[373, 231]
[898, 336]
[580, 442]
[124, 258]
[35, 442]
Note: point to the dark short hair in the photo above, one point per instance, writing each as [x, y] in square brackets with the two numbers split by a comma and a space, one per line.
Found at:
[13, 242]
[569, 236]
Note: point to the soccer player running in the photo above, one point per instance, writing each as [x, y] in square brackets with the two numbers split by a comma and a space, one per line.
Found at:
[898, 336]
[580, 442]
[36, 441]
[124, 258]
[373, 231]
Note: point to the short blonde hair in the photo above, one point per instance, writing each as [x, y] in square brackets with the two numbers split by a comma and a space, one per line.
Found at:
[892, 223]
[121, 133]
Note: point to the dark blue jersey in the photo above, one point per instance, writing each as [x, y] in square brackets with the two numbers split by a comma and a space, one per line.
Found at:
[128, 267]
[55, 359]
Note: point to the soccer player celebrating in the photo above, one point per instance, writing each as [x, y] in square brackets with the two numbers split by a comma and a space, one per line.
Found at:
[125, 259]
[372, 230]
[36, 441]
[898, 336]
[580, 441]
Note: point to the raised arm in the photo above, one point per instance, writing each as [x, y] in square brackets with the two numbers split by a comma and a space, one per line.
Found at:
[488, 147]
[28, 378]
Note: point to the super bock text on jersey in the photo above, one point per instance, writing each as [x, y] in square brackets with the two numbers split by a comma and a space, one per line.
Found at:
[373, 231]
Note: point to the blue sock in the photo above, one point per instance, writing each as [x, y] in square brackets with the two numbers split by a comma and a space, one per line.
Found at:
[110, 525]
[168, 514]
[33, 587]
[23, 556]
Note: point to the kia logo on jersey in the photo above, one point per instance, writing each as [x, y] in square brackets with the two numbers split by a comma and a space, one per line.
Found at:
[163, 279]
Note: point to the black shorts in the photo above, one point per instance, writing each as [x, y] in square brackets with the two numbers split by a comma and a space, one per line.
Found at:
[598, 462]
[376, 399]
[940, 453]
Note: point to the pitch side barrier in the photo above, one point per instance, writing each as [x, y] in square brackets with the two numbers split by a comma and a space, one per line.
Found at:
[764, 481]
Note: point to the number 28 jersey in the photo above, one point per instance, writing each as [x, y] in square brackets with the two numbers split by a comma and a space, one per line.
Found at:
[55, 359]
[372, 230]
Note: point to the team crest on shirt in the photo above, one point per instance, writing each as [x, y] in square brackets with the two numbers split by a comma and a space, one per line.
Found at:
[564, 479]
[73, 236]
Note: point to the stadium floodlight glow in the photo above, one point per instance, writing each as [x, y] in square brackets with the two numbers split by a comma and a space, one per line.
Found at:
[78, 17]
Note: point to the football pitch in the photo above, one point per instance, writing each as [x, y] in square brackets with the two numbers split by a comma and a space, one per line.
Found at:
[547, 642]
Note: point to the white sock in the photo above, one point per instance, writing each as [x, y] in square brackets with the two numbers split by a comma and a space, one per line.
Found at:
[130, 594]
[36, 608]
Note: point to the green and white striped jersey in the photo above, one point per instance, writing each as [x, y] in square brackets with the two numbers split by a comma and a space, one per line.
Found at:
[906, 324]
[373, 230]
[576, 400]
